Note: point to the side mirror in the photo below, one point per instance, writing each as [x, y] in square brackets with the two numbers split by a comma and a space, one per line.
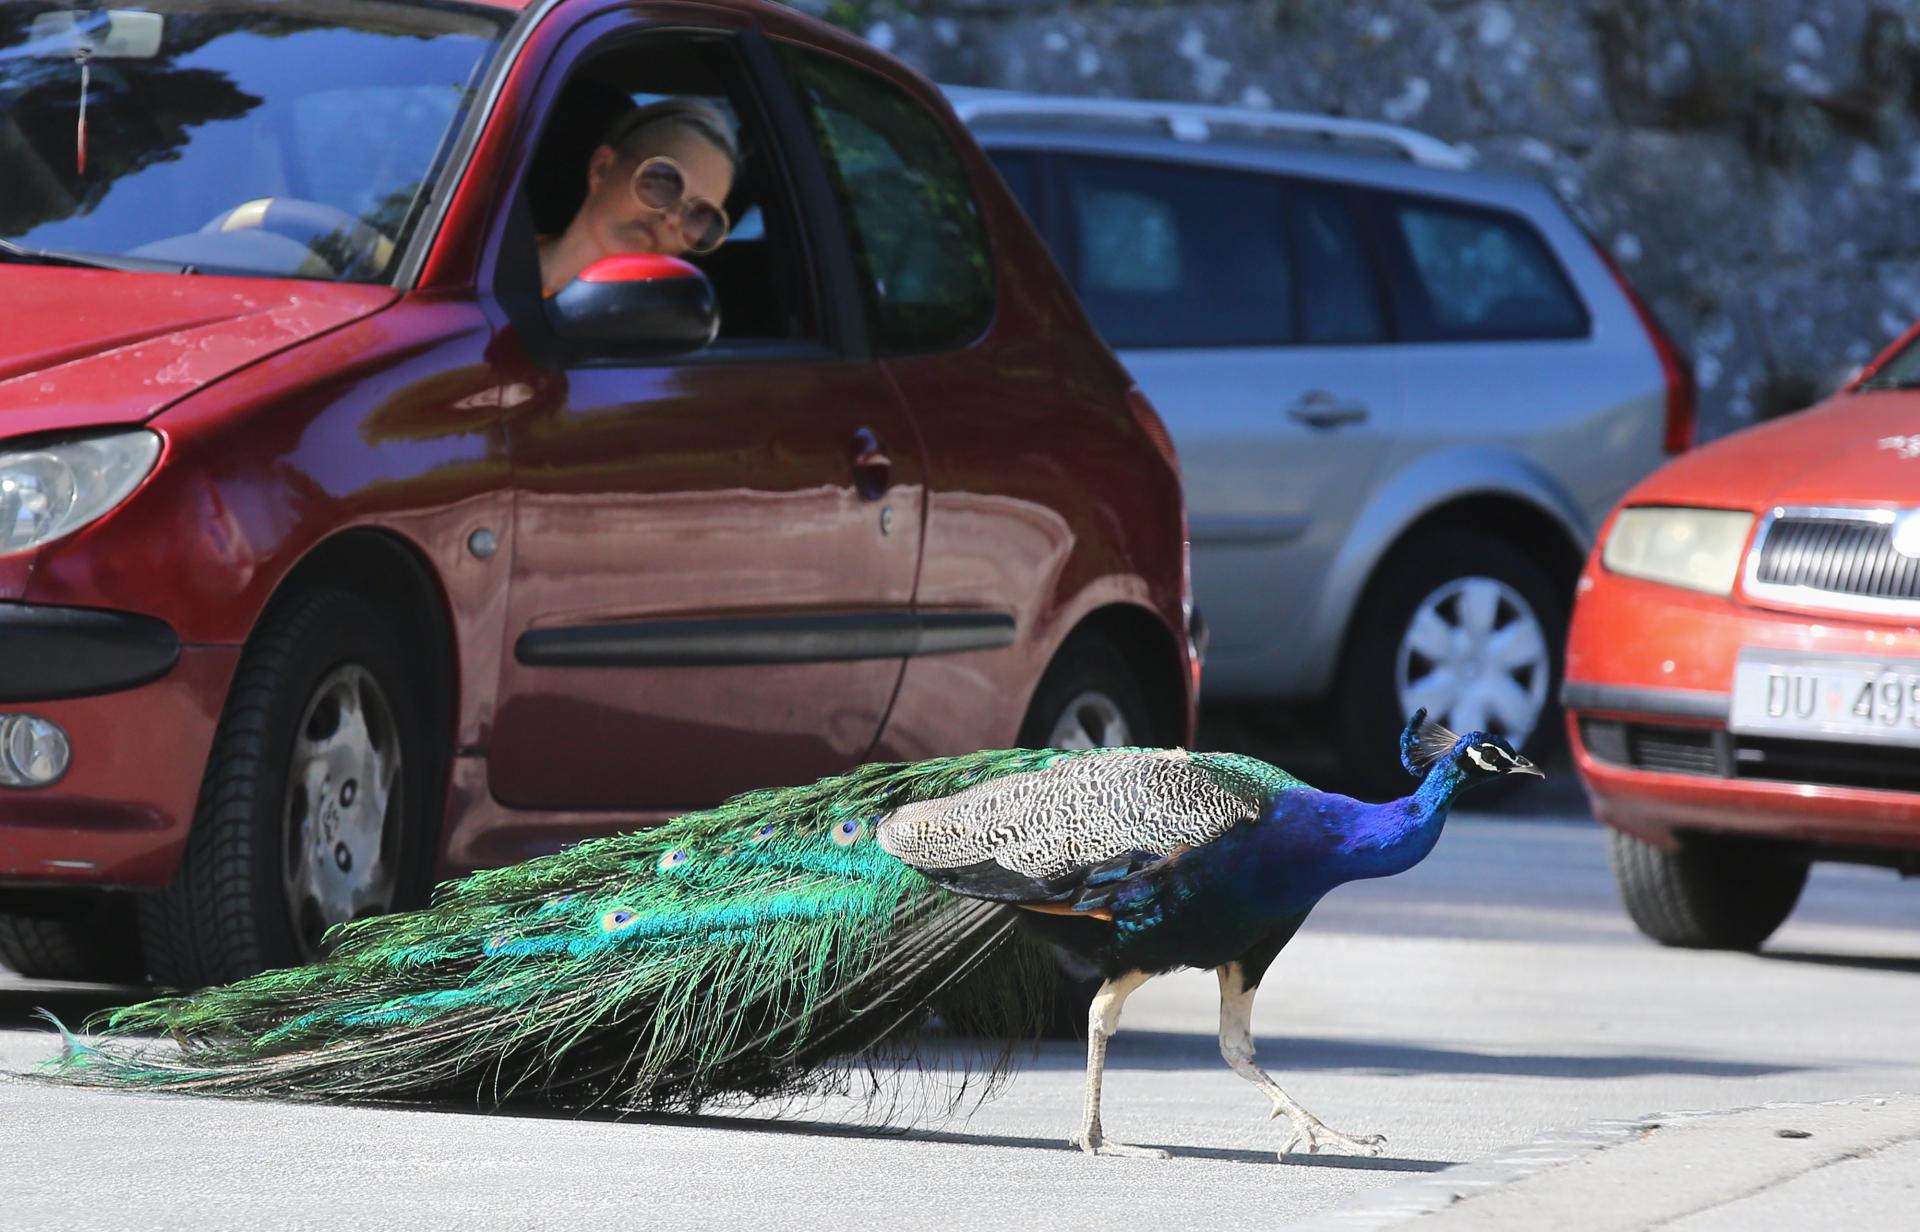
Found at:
[635, 305]
[113, 34]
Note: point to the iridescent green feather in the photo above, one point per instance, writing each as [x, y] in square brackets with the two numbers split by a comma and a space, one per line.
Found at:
[735, 950]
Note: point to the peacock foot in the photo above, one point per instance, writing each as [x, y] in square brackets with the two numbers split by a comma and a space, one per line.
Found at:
[1095, 1143]
[1311, 1136]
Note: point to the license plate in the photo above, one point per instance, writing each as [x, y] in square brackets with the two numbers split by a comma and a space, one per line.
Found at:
[1827, 697]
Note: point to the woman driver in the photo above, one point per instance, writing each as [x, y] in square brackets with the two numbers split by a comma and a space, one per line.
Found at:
[655, 184]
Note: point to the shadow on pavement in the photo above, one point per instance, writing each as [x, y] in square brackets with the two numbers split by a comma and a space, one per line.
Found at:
[1171, 1050]
[843, 1129]
[1865, 962]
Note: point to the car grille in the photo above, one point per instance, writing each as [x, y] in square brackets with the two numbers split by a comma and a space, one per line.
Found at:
[1845, 556]
[1712, 753]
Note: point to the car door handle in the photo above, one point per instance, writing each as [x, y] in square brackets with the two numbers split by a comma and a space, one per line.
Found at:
[1319, 409]
[872, 469]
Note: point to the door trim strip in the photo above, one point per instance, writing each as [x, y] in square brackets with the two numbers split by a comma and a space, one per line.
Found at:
[743, 641]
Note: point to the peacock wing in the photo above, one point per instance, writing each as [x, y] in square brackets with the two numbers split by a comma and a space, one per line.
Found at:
[1040, 835]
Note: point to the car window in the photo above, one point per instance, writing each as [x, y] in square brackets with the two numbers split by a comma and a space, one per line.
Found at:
[1021, 172]
[915, 227]
[761, 279]
[1179, 256]
[1480, 274]
[1340, 299]
[237, 138]
[1902, 371]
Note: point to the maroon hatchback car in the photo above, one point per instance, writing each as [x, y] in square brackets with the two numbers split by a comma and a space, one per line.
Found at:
[334, 555]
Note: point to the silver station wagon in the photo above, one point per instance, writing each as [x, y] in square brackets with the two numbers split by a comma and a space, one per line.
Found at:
[1405, 394]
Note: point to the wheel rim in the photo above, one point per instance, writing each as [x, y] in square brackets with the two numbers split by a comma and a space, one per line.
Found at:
[1092, 720]
[1476, 658]
[340, 860]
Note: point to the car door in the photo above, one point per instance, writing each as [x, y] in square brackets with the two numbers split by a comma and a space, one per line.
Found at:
[1247, 307]
[713, 555]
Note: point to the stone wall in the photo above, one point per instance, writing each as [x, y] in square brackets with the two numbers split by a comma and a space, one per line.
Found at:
[1754, 165]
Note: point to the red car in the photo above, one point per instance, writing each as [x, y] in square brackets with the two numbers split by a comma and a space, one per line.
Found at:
[335, 555]
[1743, 669]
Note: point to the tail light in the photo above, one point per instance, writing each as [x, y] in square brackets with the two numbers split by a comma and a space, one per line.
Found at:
[1682, 395]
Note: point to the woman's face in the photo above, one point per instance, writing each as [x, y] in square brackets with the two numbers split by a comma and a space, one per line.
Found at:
[617, 218]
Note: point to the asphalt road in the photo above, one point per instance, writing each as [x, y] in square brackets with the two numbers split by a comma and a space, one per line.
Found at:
[1495, 992]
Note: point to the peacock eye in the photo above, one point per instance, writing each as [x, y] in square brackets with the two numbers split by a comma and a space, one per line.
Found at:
[496, 941]
[616, 920]
[562, 901]
[846, 832]
[763, 834]
[673, 859]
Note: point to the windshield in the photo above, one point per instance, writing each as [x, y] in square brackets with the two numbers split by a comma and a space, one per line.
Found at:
[295, 138]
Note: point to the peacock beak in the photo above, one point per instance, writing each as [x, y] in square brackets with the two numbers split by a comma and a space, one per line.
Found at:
[1522, 766]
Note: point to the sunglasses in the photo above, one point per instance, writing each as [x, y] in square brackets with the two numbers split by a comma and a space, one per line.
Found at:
[660, 184]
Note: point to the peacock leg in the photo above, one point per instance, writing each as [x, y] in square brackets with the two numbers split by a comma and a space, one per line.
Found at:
[1102, 1021]
[1236, 1046]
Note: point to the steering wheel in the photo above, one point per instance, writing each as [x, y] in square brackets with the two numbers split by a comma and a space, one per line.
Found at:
[345, 245]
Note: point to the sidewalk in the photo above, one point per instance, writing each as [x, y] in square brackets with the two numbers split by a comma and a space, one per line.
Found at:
[1851, 1163]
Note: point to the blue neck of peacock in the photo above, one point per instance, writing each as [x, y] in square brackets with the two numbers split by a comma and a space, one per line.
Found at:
[1393, 837]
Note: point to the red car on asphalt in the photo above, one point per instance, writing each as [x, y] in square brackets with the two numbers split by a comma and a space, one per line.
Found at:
[1743, 669]
[334, 556]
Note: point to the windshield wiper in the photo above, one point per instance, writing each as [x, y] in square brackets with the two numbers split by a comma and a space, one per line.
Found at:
[10, 251]
[1912, 382]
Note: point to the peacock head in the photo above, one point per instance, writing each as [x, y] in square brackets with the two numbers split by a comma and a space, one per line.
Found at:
[1477, 756]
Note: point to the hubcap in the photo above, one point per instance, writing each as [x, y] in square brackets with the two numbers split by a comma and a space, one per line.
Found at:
[1476, 658]
[340, 858]
[1090, 721]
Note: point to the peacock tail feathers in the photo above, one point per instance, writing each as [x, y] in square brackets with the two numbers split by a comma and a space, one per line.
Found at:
[733, 951]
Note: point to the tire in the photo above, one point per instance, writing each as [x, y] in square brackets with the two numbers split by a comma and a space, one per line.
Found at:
[1449, 578]
[322, 690]
[1089, 696]
[96, 942]
[1710, 893]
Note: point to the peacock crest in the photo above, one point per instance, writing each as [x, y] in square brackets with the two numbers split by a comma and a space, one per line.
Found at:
[1435, 741]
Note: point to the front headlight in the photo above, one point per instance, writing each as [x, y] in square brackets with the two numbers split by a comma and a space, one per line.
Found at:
[52, 490]
[1695, 548]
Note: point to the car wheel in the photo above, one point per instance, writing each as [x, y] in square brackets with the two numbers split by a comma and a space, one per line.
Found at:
[95, 941]
[1087, 699]
[315, 805]
[1466, 626]
[1709, 893]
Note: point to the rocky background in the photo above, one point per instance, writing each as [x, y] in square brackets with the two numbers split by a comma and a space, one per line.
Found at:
[1754, 165]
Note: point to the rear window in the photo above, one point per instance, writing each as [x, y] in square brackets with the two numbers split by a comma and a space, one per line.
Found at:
[1022, 174]
[916, 229]
[1187, 256]
[1339, 295]
[1476, 274]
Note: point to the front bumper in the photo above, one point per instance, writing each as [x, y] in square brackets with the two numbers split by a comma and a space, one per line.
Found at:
[1649, 674]
[140, 710]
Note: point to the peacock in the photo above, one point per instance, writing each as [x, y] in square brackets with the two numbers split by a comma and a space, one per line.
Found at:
[772, 945]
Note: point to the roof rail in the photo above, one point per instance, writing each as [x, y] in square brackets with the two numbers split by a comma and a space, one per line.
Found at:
[1197, 121]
